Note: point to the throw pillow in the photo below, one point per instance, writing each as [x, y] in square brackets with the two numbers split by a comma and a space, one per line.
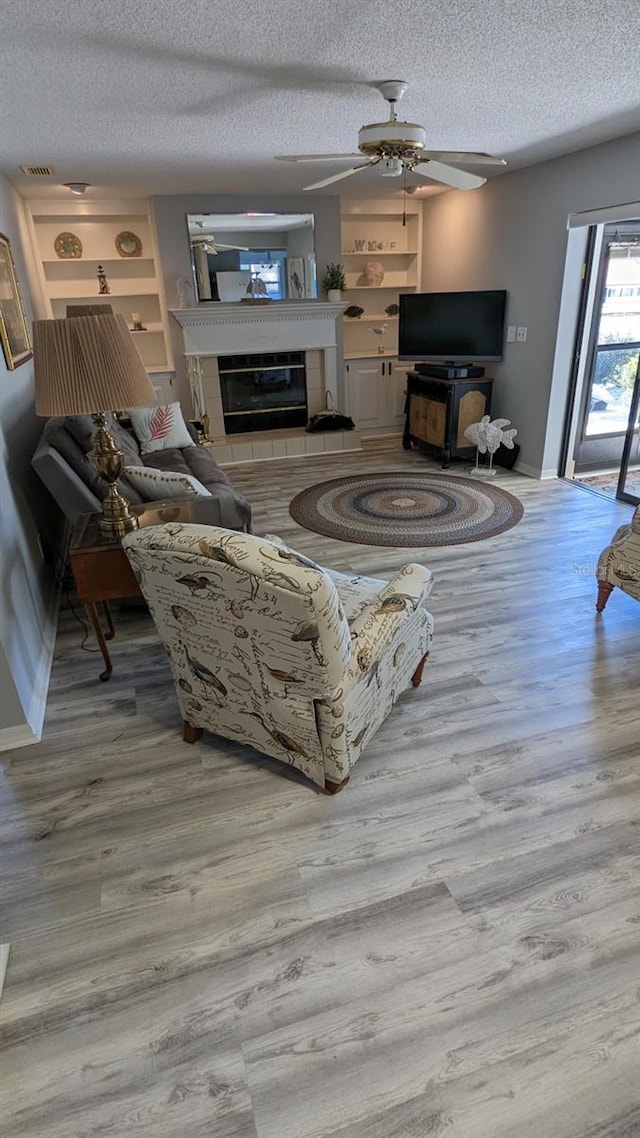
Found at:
[156, 485]
[158, 428]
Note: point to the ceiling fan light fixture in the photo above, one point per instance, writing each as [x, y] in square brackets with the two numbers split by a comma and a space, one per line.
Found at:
[398, 147]
[390, 167]
[78, 188]
[398, 136]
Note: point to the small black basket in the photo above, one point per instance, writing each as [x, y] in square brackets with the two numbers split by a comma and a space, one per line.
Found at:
[330, 419]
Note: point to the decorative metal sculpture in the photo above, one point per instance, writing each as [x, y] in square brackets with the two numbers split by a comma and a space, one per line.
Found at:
[487, 436]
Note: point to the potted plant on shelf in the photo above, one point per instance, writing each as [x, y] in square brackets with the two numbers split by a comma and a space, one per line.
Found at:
[334, 281]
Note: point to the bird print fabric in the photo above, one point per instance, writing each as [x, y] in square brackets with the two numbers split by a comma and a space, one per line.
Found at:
[270, 649]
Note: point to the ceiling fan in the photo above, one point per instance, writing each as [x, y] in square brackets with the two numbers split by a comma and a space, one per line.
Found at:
[209, 244]
[396, 147]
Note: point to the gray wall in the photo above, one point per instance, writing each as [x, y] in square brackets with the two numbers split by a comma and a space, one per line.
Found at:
[171, 211]
[27, 594]
[512, 233]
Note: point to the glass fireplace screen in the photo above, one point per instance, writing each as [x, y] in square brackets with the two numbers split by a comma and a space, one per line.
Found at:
[263, 392]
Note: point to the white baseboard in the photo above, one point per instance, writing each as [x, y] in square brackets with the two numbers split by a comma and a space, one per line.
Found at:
[30, 732]
[4, 957]
[534, 471]
[13, 737]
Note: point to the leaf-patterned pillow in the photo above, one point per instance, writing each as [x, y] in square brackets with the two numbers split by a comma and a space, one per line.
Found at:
[160, 428]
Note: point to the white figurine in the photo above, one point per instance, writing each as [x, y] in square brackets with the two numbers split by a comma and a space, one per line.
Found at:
[379, 330]
[487, 436]
[184, 291]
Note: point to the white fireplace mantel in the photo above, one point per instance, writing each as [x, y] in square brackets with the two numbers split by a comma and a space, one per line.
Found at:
[220, 329]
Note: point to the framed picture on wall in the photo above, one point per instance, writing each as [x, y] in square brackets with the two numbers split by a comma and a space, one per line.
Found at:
[14, 330]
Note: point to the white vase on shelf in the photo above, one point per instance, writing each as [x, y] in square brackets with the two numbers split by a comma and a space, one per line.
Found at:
[334, 295]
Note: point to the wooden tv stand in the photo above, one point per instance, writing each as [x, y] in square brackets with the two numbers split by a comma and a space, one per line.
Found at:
[437, 412]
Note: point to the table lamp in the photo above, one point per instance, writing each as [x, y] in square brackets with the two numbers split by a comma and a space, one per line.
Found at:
[88, 365]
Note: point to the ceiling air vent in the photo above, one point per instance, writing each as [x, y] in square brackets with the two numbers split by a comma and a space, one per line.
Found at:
[38, 171]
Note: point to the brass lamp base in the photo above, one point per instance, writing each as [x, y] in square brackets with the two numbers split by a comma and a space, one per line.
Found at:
[117, 517]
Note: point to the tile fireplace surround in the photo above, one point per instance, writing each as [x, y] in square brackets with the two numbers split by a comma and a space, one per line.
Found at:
[219, 329]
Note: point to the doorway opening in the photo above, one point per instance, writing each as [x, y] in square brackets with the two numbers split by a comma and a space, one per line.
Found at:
[606, 448]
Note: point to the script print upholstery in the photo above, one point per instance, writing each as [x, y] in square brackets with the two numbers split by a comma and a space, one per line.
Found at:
[619, 562]
[270, 649]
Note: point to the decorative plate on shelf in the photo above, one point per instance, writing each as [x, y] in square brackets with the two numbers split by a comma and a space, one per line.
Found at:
[128, 245]
[67, 245]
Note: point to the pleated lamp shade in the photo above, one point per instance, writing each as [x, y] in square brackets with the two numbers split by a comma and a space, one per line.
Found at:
[86, 364]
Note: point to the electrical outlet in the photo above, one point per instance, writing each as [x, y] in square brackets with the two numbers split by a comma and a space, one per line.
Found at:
[511, 334]
[521, 335]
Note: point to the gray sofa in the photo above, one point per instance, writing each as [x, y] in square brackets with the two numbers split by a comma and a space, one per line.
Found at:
[61, 462]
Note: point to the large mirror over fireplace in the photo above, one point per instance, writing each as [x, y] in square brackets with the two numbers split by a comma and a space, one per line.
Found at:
[230, 249]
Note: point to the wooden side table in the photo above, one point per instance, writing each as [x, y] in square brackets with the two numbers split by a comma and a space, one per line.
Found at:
[101, 568]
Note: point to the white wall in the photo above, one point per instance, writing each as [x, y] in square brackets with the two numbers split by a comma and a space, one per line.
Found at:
[27, 592]
[512, 234]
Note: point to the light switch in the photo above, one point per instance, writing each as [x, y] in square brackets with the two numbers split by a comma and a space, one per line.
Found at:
[521, 335]
[511, 334]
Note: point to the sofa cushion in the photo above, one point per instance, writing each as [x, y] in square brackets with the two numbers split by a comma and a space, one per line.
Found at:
[195, 460]
[160, 428]
[63, 440]
[157, 485]
[82, 429]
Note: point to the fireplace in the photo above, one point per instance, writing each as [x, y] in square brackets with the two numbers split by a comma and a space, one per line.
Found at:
[263, 392]
[230, 349]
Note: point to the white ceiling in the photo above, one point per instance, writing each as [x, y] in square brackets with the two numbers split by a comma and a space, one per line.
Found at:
[170, 96]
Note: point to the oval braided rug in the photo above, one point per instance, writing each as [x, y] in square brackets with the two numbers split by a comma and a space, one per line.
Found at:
[406, 509]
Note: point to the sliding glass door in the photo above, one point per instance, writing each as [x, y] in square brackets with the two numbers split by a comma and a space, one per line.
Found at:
[608, 449]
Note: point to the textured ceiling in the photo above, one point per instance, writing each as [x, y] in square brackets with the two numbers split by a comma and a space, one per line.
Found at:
[168, 96]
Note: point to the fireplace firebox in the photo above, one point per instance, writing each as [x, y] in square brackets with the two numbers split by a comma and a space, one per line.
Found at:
[263, 392]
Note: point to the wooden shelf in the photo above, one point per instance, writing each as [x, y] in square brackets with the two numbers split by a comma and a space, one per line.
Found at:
[370, 355]
[376, 318]
[377, 288]
[380, 253]
[97, 260]
[77, 290]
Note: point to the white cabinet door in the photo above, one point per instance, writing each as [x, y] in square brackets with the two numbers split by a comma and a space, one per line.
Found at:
[365, 393]
[395, 393]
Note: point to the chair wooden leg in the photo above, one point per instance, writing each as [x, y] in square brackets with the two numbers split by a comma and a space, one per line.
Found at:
[191, 734]
[604, 592]
[416, 678]
[334, 787]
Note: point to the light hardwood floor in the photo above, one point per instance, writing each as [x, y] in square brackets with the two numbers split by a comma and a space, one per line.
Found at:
[449, 947]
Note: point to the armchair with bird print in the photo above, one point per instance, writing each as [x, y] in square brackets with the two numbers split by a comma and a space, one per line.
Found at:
[269, 649]
[619, 563]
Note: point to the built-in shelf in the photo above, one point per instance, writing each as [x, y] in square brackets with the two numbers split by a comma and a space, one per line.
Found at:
[369, 355]
[69, 262]
[374, 318]
[377, 288]
[69, 290]
[135, 283]
[379, 253]
[384, 223]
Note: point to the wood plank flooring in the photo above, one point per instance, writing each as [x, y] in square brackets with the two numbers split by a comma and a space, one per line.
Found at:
[449, 947]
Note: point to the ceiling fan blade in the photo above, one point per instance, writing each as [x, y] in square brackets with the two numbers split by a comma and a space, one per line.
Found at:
[339, 177]
[316, 157]
[468, 157]
[459, 179]
[241, 248]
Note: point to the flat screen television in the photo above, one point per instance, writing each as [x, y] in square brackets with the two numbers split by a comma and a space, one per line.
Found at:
[456, 327]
